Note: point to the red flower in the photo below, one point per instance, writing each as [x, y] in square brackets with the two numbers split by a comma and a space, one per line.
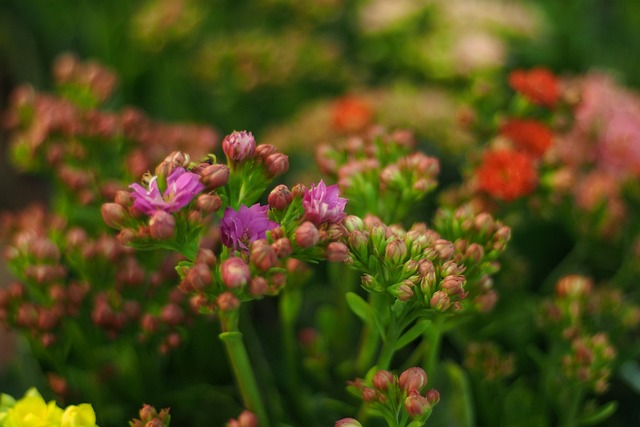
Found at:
[506, 174]
[529, 135]
[538, 85]
[351, 114]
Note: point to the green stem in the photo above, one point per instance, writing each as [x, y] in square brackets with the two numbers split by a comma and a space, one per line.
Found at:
[433, 339]
[370, 339]
[241, 366]
[569, 417]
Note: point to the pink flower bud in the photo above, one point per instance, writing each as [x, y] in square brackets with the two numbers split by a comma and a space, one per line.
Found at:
[413, 380]
[337, 252]
[433, 396]
[440, 301]
[172, 314]
[227, 301]
[282, 247]
[416, 405]
[239, 146]
[307, 235]
[444, 248]
[199, 276]
[162, 225]
[383, 379]
[280, 197]
[258, 286]
[114, 215]
[453, 286]
[235, 272]
[208, 203]
[247, 419]
[276, 164]
[395, 252]
[369, 394]
[215, 176]
[262, 255]
[352, 223]
[348, 422]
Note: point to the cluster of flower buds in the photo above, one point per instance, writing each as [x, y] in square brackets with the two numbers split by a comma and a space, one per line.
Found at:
[478, 241]
[487, 361]
[590, 362]
[399, 399]
[150, 417]
[416, 266]
[245, 419]
[379, 174]
[75, 140]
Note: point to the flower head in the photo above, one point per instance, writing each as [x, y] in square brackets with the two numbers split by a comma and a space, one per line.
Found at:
[182, 187]
[79, 416]
[323, 204]
[33, 411]
[240, 228]
[537, 85]
[506, 174]
[529, 135]
[239, 146]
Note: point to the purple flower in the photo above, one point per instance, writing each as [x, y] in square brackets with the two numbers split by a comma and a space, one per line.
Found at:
[182, 187]
[240, 228]
[323, 204]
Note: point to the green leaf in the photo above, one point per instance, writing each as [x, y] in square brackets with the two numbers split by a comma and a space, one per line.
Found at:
[364, 311]
[600, 414]
[412, 333]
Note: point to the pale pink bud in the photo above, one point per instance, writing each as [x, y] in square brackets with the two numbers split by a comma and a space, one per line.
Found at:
[383, 379]
[307, 235]
[282, 247]
[337, 252]
[214, 176]
[114, 215]
[247, 419]
[348, 422]
[235, 272]
[440, 301]
[208, 203]
[162, 225]
[413, 380]
[433, 396]
[258, 286]
[227, 301]
[416, 405]
[276, 164]
[396, 251]
[262, 255]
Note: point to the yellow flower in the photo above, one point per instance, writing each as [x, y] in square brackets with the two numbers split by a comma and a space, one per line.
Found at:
[33, 411]
[79, 416]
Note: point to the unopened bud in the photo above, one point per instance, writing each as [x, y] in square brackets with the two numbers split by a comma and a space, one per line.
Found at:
[413, 380]
[214, 176]
[444, 248]
[307, 235]
[282, 247]
[239, 146]
[402, 291]
[395, 252]
[258, 286]
[276, 164]
[114, 215]
[162, 225]
[433, 396]
[280, 197]
[383, 379]
[235, 272]
[440, 301]
[352, 223]
[227, 301]
[208, 203]
[348, 422]
[337, 252]
[262, 255]
[416, 405]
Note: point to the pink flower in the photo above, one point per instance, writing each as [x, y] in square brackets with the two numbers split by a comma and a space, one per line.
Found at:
[323, 204]
[240, 228]
[182, 187]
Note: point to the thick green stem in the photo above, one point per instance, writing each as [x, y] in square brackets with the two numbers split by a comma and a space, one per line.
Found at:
[569, 417]
[370, 340]
[433, 339]
[241, 366]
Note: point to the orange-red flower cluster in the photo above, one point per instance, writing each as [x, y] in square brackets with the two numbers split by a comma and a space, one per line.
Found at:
[351, 114]
[530, 136]
[506, 174]
[538, 85]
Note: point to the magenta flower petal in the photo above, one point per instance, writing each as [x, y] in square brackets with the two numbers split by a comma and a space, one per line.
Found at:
[238, 229]
[182, 187]
[324, 204]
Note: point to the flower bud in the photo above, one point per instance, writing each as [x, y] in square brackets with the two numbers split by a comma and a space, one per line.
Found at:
[235, 272]
[474, 252]
[215, 176]
[227, 301]
[433, 396]
[177, 159]
[262, 255]
[416, 405]
[208, 203]
[258, 286]
[307, 235]
[353, 223]
[573, 286]
[276, 164]
[444, 248]
[413, 380]
[239, 146]
[402, 291]
[395, 252]
[453, 286]
[337, 252]
[383, 379]
[114, 215]
[282, 247]
[348, 422]
[172, 314]
[162, 225]
[199, 276]
[280, 197]
[440, 301]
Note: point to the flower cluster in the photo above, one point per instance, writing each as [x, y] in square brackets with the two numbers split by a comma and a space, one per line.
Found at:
[32, 411]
